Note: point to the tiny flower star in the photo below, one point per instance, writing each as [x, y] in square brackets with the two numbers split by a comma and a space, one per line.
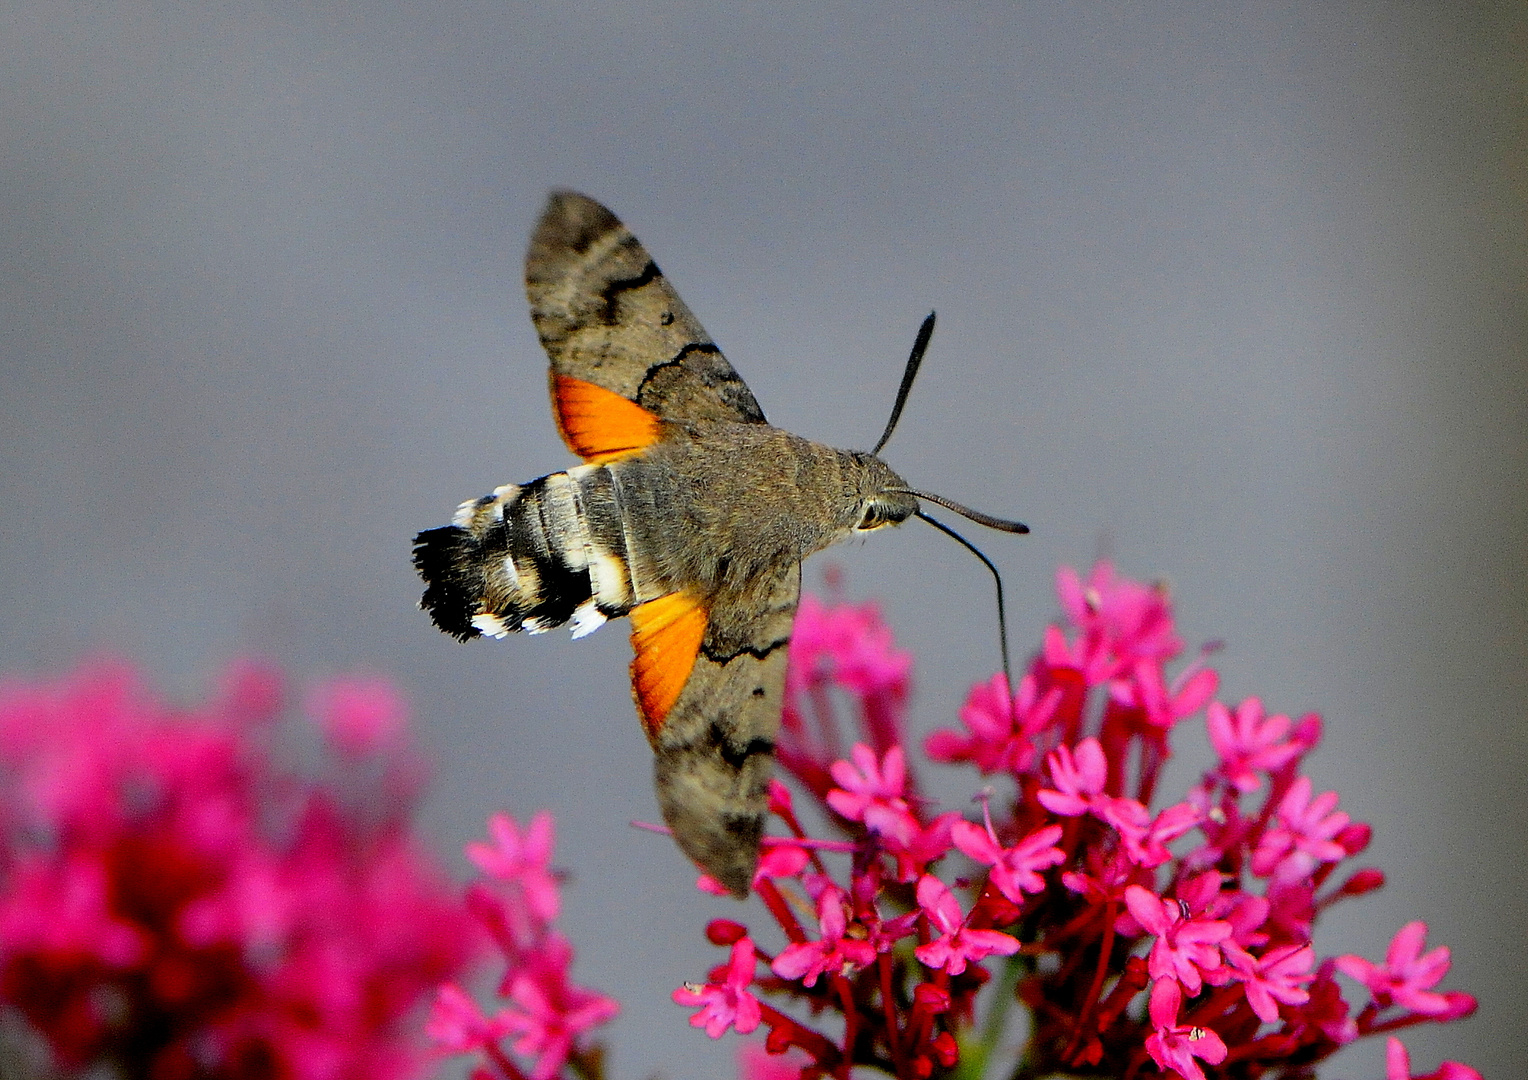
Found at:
[1015, 870]
[1407, 974]
[522, 860]
[957, 945]
[1079, 777]
[727, 1005]
[1175, 1047]
[868, 783]
[1273, 977]
[1302, 835]
[834, 953]
[1249, 743]
[1186, 948]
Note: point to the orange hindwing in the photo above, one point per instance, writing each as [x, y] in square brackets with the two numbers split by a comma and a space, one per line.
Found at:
[666, 634]
[600, 425]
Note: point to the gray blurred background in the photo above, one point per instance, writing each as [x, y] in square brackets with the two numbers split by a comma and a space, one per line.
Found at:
[1234, 295]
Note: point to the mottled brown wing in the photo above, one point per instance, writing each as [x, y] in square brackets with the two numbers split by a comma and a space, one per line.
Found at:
[608, 317]
[714, 743]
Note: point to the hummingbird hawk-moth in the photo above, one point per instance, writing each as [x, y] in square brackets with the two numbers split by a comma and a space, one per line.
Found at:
[691, 515]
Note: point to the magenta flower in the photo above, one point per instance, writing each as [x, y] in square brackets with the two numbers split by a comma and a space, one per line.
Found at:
[1186, 949]
[956, 944]
[1015, 870]
[1120, 621]
[1273, 977]
[1163, 705]
[1302, 836]
[1249, 743]
[360, 716]
[549, 1013]
[458, 1026]
[1408, 974]
[173, 904]
[849, 644]
[1105, 907]
[868, 785]
[1079, 777]
[1000, 728]
[833, 953]
[522, 861]
[1173, 1046]
[1146, 838]
[726, 1003]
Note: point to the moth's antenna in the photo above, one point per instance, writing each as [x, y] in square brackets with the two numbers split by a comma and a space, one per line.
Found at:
[1001, 524]
[909, 373]
[1002, 617]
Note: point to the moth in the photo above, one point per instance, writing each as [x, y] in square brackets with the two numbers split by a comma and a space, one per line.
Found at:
[691, 515]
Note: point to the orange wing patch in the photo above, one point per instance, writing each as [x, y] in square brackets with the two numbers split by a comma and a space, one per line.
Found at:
[666, 634]
[600, 425]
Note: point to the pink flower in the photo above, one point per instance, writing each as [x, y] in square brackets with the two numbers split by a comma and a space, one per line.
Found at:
[833, 953]
[1249, 743]
[1273, 977]
[869, 784]
[359, 715]
[956, 944]
[1398, 1066]
[458, 1026]
[1175, 1047]
[1302, 835]
[1015, 870]
[728, 1003]
[1146, 838]
[1163, 706]
[549, 1013]
[910, 843]
[1186, 948]
[157, 860]
[1000, 727]
[1120, 621]
[1079, 778]
[1407, 975]
[522, 860]
[850, 644]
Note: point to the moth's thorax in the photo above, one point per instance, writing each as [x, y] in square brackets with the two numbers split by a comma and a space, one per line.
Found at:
[715, 506]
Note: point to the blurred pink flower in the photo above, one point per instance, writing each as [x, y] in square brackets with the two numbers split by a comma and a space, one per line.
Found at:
[173, 904]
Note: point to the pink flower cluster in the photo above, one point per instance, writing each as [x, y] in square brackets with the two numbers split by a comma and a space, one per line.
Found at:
[175, 905]
[1142, 935]
[547, 1017]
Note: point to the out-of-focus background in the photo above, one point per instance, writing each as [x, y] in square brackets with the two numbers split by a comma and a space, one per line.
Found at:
[1232, 295]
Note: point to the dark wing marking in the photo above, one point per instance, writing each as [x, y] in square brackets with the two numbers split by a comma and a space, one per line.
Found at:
[608, 316]
[715, 743]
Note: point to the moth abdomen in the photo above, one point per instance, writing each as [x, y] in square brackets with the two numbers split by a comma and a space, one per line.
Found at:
[528, 558]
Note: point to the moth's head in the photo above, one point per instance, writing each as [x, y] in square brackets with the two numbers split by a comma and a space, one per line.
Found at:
[883, 498]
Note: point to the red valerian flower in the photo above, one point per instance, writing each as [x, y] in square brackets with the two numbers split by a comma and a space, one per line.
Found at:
[1249, 743]
[1175, 1046]
[1016, 870]
[1076, 885]
[957, 944]
[1408, 975]
[1273, 977]
[1079, 777]
[833, 953]
[174, 904]
[547, 1018]
[726, 1002]
[1186, 949]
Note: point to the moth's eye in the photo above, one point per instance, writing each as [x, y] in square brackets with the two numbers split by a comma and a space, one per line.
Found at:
[873, 516]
